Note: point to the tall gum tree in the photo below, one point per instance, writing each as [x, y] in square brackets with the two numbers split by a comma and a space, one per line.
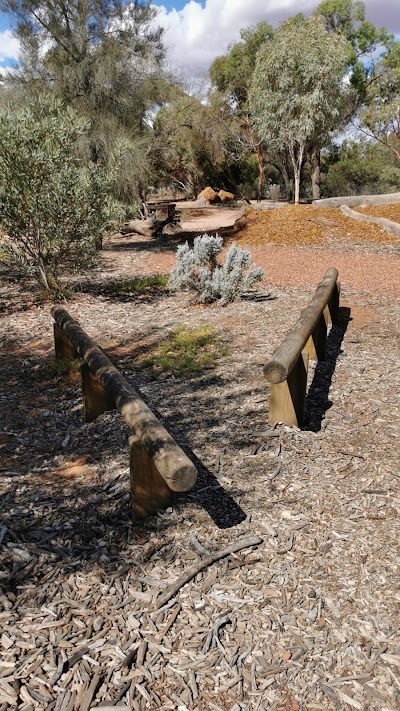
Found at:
[232, 75]
[367, 42]
[297, 87]
[380, 118]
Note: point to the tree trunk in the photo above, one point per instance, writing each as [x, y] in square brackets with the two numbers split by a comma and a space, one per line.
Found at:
[260, 162]
[315, 168]
[288, 182]
[296, 185]
[257, 149]
[297, 162]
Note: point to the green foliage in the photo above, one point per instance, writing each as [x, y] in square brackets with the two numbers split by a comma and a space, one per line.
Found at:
[297, 87]
[188, 147]
[104, 59]
[53, 211]
[187, 350]
[367, 41]
[197, 270]
[232, 73]
[380, 118]
[360, 169]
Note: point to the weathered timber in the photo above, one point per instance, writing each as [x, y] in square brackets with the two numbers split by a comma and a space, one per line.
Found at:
[141, 227]
[286, 355]
[62, 345]
[96, 400]
[171, 463]
[287, 399]
[158, 217]
[287, 368]
[148, 489]
[316, 343]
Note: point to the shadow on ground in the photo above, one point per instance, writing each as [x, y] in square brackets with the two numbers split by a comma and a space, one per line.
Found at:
[65, 483]
[317, 400]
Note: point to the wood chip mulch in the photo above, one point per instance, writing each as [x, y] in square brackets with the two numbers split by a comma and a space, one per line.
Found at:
[391, 212]
[309, 225]
[306, 618]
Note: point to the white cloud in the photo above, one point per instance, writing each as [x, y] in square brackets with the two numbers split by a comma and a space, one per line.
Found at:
[195, 35]
[9, 46]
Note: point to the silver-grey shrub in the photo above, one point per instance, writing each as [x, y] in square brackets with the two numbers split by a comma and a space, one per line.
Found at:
[197, 270]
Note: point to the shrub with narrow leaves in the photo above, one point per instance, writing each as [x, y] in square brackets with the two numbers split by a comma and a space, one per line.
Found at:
[197, 270]
[54, 211]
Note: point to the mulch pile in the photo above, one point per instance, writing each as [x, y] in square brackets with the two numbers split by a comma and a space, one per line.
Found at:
[391, 212]
[306, 224]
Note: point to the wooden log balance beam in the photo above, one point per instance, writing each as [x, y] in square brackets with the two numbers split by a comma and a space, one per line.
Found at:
[158, 466]
[287, 368]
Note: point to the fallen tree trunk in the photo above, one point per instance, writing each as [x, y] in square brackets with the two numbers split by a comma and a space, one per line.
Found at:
[147, 228]
[141, 227]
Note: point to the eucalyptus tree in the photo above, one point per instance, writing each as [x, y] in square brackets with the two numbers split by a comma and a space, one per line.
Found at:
[189, 141]
[102, 57]
[232, 75]
[297, 87]
[380, 118]
[367, 43]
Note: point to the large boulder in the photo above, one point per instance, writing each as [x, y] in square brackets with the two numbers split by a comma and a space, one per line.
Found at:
[209, 195]
[224, 196]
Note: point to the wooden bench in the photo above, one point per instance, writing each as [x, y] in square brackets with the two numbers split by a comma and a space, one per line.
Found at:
[158, 466]
[287, 368]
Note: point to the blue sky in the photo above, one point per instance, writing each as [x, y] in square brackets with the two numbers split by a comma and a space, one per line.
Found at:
[197, 31]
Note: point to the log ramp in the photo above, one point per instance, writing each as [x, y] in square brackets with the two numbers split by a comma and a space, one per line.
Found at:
[287, 368]
[158, 466]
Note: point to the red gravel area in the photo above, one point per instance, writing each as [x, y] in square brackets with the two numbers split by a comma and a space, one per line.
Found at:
[370, 269]
[364, 272]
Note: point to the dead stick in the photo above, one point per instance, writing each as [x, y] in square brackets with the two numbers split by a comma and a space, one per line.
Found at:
[169, 624]
[175, 587]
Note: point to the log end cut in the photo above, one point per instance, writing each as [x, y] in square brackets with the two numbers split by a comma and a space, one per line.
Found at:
[275, 372]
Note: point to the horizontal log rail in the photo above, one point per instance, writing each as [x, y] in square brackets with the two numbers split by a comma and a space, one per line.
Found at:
[158, 466]
[287, 368]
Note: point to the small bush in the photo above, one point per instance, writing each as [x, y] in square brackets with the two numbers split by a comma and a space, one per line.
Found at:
[187, 350]
[54, 211]
[275, 192]
[197, 270]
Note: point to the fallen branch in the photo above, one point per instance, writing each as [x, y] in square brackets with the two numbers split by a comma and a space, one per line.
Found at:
[198, 567]
[169, 624]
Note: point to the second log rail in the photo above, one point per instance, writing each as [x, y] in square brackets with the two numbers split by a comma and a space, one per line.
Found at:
[287, 368]
[158, 466]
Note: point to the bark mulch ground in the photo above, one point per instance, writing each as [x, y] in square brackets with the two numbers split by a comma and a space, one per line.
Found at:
[307, 618]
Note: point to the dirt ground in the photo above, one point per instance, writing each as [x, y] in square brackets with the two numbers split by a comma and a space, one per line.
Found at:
[305, 619]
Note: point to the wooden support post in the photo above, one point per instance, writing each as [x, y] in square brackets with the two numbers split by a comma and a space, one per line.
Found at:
[316, 344]
[333, 303]
[287, 400]
[331, 310]
[149, 492]
[95, 399]
[62, 345]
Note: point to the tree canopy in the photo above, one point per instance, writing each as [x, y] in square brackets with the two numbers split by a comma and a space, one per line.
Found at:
[102, 58]
[297, 86]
